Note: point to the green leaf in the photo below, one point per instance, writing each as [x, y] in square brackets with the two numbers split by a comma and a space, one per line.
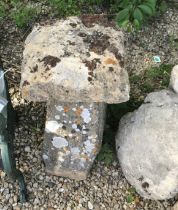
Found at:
[24, 15]
[2, 13]
[130, 198]
[136, 24]
[2, 10]
[132, 190]
[129, 28]
[125, 23]
[123, 15]
[138, 15]
[15, 1]
[163, 6]
[152, 4]
[124, 4]
[106, 154]
[147, 10]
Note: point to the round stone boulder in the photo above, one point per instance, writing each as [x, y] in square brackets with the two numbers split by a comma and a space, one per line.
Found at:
[147, 146]
[174, 79]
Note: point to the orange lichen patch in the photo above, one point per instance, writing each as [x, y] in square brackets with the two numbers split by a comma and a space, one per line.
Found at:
[84, 157]
[25, 93]
[65, 149]
[60, 132]
[66, 109]
[78, 121]
[137, 201]
[96, 149]
[78, 111]
[110, 61]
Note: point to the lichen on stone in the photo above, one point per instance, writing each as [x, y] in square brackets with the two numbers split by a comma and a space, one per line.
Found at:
[74, 63]
[59, 142]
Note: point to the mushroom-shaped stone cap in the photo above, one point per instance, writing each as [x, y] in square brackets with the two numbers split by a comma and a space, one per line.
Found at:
[71, 62]
[174, 79]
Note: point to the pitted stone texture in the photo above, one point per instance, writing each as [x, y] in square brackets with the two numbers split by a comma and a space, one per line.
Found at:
[73, 136]
[147, 146]
[174, 79]
[73, 63]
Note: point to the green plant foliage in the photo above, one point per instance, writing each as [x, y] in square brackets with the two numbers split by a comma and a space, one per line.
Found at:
[131, 196]
[15, 2]
[134, 13]
[173, 41]
[24, 15]
[106, 154]
[158, 77]
[132, 190]
[2, 10]
[154, 78]
[93, 1]
[131, 14]
[65, 8]
[163, 6]
[21, 12]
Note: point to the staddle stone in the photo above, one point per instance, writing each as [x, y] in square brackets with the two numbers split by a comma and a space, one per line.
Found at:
[77, 70]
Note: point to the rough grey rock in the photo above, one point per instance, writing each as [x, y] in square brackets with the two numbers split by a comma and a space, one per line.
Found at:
[175, 207]
[71, 62]
[75, 131]
[147, 146]
[174, 79]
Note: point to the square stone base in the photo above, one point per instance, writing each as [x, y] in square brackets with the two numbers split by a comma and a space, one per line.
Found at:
[73, 137]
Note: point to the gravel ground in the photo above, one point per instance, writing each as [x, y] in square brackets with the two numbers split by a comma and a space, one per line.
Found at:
[154, 40]
[106, 187]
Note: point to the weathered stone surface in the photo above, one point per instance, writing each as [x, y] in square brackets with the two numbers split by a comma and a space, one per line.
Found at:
[174, 79]
[73, 137]
[175, 207]
[147, 146]
[71, 62]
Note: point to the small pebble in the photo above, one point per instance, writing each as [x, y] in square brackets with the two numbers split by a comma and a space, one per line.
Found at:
[27, 149]
[90, 205]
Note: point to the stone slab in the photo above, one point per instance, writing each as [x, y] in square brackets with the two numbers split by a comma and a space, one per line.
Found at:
[68, 61]
[73, 136]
